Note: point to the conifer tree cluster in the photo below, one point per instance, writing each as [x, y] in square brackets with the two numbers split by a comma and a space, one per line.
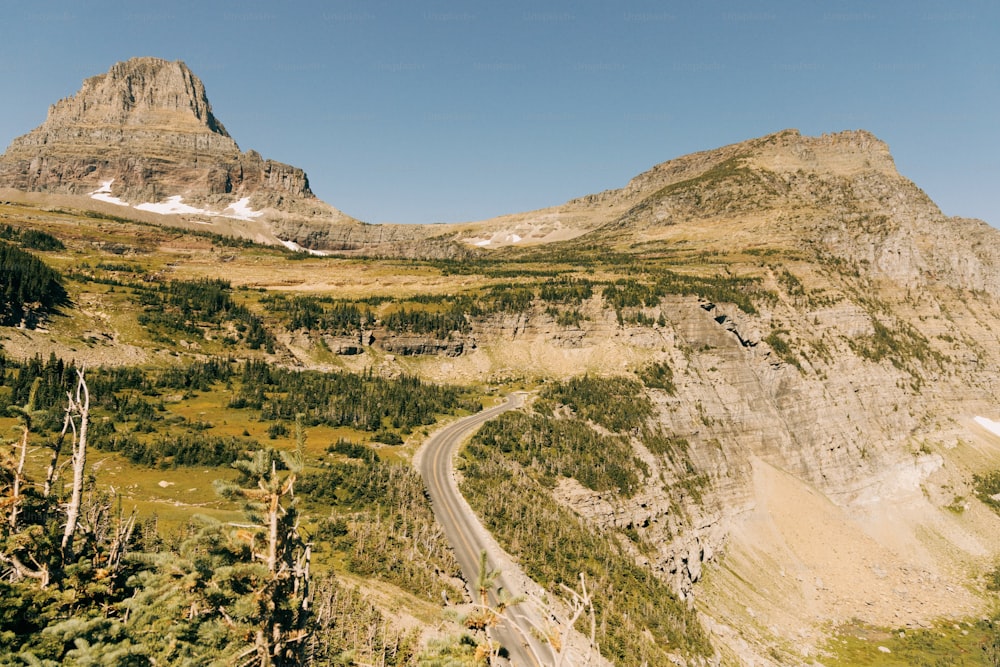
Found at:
[31, 238]
[28, 288]
[82, 584]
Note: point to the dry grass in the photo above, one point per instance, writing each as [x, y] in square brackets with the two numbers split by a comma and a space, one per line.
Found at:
[953, 644]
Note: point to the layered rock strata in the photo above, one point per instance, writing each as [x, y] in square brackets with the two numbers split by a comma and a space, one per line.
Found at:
[145, 127]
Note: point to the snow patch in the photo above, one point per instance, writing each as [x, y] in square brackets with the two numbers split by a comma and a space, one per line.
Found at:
[498, 238]
[295, 247]
[173, 206]
[241, 210]
[103, 193]
[990, 425]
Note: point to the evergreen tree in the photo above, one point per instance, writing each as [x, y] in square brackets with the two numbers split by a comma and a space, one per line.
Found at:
[279, 555]
[28, 288]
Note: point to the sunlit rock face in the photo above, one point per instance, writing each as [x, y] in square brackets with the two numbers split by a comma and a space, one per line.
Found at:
[142, 133]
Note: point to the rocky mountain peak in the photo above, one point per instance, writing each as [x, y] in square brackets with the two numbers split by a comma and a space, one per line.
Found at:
[140, 91]
[843, 154]
[144, 134]
[835, 195]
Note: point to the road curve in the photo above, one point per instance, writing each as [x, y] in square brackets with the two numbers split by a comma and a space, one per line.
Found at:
[517, 632]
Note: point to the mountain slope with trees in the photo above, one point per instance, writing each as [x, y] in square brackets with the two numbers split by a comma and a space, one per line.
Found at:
[747, 351]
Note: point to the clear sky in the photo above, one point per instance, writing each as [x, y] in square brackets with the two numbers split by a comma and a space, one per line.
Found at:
[465, 109]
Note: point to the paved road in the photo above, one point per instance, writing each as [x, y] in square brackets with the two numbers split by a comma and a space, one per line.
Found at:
[469, 538]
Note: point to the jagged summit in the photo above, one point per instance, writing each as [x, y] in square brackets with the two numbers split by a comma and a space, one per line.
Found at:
[144, 133]
[841, 153]
[774, 173]
[141, 91]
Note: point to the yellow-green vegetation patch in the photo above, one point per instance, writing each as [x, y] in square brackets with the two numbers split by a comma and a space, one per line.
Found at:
[172, 495]
[210, 411]
[10, 427]
[987, 486]
[951, 643]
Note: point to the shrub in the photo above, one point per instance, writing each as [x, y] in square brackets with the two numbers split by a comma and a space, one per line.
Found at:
[658, 375]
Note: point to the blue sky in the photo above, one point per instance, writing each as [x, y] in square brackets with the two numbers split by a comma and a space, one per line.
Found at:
[463, 110]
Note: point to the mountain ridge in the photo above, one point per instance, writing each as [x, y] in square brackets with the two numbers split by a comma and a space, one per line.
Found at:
[816, 344]
[831, 341]
[144, 135]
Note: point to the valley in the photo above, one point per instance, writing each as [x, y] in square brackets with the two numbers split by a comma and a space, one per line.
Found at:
[759, 386]
[731, 502]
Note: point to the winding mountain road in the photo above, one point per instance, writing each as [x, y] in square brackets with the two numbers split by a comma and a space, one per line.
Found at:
[517, 633]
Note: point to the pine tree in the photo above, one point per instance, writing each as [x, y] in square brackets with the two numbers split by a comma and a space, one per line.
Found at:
[280, 609]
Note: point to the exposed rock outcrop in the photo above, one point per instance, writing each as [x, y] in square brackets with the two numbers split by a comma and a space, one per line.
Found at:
[147, 127]
[834, 197]
[144, 134]
[409, 345]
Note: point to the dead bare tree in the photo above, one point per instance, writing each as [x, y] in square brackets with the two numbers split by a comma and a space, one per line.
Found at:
[18, 553]
[580, 601]
[13, 556]
[102, 522]
[93, 519]
[25, 414]
[53, 470]
[79, 406]
[15, 500]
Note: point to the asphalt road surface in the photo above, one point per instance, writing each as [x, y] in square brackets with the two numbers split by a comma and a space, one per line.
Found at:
[517, 632]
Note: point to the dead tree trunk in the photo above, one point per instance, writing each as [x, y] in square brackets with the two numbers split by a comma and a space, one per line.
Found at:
[273, 503]
[15, 506]
[25, 414]
[79, 404]
[582, 602]
[52, 471]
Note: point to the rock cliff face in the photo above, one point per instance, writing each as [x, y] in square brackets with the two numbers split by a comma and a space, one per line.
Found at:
[146, 126]
[821, 472]
[830, 428]
[836, 195]
[144, 134]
